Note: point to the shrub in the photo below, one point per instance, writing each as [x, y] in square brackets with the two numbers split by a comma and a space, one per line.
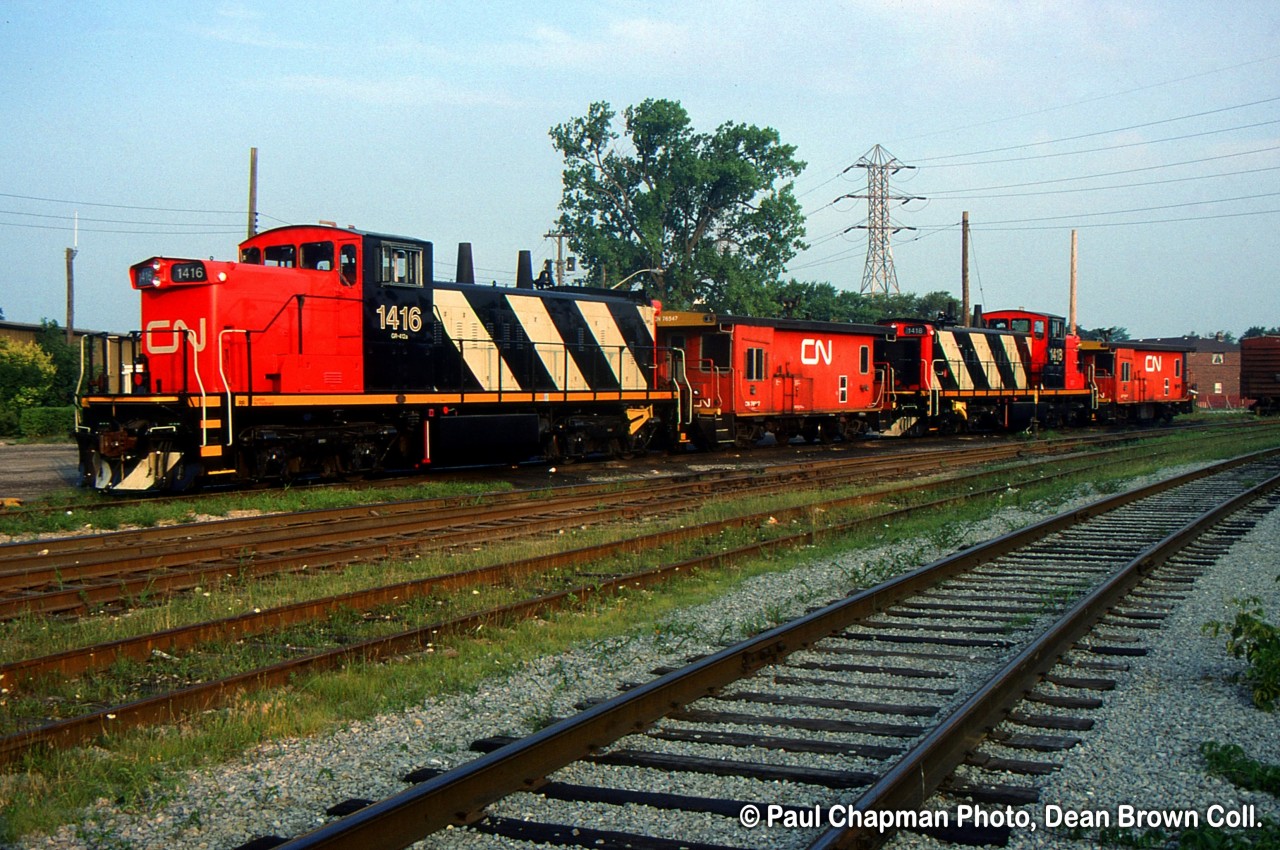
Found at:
[1258, 642]
[47, 421]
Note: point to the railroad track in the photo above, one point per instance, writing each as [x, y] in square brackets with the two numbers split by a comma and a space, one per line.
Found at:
[904, 682]
[77, 574]
[184, 698]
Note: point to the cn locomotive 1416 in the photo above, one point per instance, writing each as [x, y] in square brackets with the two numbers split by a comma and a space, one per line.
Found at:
[328, 351]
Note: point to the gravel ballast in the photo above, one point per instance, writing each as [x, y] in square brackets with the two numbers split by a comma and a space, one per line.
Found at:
[1143, 751]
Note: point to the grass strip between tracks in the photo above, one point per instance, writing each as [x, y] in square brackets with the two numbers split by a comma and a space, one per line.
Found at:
[139, 766]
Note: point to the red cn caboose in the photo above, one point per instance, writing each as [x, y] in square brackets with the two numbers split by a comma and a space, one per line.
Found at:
[751, 378]
[1137, 381]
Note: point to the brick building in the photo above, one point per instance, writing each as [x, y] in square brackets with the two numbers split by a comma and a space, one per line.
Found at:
[1214, 365]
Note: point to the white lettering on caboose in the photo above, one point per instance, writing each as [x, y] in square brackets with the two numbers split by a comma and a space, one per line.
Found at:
[814, 351]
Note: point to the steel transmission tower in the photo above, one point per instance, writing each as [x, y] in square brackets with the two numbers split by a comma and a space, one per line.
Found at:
[878, 277]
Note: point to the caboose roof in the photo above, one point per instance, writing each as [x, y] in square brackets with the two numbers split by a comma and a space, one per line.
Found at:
[685, 319]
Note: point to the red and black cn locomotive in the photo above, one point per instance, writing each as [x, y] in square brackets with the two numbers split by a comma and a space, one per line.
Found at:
[329, 351]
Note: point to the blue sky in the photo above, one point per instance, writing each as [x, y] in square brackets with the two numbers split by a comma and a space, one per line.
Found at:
[1152, 128]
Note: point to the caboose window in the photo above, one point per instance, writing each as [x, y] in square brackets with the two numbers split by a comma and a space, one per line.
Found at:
[1177, 368]
[283, 256]
[318, 256]
[1124, 371]
[401, 265]
[755, 364]
[864, 360]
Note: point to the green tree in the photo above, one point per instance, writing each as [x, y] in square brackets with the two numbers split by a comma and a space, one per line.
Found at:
[66, 363]
[1103, 334]
[26, 373]
[711, 215]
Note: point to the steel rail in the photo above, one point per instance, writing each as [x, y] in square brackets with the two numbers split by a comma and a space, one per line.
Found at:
[207, 695]
[918, 774]
[76, 661]
[460, 795]
[82, 580]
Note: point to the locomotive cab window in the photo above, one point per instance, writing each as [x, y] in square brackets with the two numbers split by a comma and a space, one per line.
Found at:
[318, 256]
[281, 256]
[1057, 328]
[253, 256]
[347, 264]
[401, 265]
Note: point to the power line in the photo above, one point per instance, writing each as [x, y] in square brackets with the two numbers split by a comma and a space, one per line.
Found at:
[111, 220]
[1095, 99]
[954, 197]
[133, 232]
[1131, 223]
[1108, 147]
[1138, 209]
[1107, 173]
[1101, 132]
[119, 206]
[1056, 108]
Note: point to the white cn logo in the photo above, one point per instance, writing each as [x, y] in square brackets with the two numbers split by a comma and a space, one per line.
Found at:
[1154, 363]
[815, 351]
[179, 331]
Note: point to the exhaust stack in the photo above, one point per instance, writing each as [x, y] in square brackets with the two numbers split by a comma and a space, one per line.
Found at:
[466, 268]
[524, 270]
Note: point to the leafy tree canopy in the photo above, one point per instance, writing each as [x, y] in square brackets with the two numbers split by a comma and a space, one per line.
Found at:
[66, 361]
[26, 374]
[823, 302]
[711, 215]
[1104, 334]
[1259, 330]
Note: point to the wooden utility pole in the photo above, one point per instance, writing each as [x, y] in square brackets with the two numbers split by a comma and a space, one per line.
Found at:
[71, 284]
[559, 236]
[253, 191]
[964, 269]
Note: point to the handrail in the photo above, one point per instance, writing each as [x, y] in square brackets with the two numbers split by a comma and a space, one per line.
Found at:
[222, 373]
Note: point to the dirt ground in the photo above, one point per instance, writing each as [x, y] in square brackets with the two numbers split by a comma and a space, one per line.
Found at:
[30, 471]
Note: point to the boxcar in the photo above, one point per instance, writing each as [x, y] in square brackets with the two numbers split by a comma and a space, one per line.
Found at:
[1260, 372]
